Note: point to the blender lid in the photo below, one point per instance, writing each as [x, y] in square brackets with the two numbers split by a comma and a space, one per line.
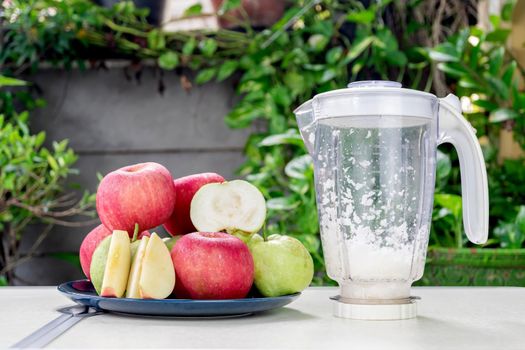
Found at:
[372, 97]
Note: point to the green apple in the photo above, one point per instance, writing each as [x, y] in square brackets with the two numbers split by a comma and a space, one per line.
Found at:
[282, 265]
[170, 241]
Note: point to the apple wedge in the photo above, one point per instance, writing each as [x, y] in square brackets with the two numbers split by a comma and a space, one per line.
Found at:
[98, 263]
[132, 291]
[117, 267]
[234, 206]
[157, 276]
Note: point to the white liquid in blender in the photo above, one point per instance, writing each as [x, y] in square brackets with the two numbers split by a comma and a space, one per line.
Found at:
[370, 176]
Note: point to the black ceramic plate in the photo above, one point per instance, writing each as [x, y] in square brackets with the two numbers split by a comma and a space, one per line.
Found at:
[82, 292]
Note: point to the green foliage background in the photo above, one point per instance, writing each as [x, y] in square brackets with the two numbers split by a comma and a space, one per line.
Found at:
[317, 46]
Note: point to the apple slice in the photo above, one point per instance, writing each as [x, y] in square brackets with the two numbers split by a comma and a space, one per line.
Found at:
[117, 267]
[98, 263]
[132, 290]
[234, 206]
[157, 278]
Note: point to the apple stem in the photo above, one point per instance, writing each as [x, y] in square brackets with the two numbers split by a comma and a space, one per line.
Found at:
[135, 233]
[264, 232]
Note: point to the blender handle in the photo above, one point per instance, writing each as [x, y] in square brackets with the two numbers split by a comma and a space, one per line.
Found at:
[455, 129]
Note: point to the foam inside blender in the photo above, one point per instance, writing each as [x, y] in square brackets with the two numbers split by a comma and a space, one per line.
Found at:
[371, 174]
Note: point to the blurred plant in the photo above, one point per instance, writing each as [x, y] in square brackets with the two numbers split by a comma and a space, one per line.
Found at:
[484, 74]
[317, 46]
[512, 234]
[32, 189]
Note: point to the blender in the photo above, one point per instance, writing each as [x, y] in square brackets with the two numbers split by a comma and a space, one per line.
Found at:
[374, 147]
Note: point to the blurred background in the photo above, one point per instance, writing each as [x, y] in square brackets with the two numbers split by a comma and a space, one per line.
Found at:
[87, 87]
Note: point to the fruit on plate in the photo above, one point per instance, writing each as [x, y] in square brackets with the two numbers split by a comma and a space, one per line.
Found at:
[185, 188]
[170, 241]
[137, 194]
[235, 206]
[111, 264]
[91, 242]
[282, 265]
[212, 265]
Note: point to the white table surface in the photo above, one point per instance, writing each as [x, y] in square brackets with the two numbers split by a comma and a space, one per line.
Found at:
[449, 318]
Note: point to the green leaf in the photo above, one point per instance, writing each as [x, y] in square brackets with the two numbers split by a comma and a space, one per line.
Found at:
[282, 139]
[507, 11]
[485, 104]
[298, 167]
[156, 40]
[453, 69]
[443, 166]
[281, 95]
[283, 203]
[445, 52]
[294, 81]
[168, 60]
[318, 42]
[227, 69]
[334, 54]
[502, 114]
[40, 138]
[495, 20]
[468, 82]
[358, 47]
[496, 60]
[205, 75]
[498, 86]
[208, 47]
[397, 58]
[52, 163]
[194, 10]
[189, 46]
[228, 5]
[520, 220]
[452, 202]
[328, 75]
[498, 36]
[474, 56]
[509, 73]
[7, 81]
[362, 16]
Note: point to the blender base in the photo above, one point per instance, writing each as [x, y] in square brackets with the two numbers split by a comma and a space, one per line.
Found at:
[383, 310]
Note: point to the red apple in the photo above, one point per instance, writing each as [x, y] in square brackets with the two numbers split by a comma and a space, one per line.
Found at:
[91, 242]
[185, 188]
[137, 194]
[212, 265]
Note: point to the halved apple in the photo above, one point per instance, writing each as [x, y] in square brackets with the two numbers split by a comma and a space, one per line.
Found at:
[234, 206]
[117, 267]
[157, 277]
[132, 290]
